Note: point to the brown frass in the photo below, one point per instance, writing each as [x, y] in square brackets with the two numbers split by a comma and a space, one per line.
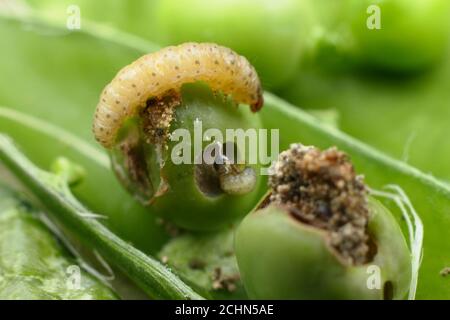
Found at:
[157, 117]
[321, 189]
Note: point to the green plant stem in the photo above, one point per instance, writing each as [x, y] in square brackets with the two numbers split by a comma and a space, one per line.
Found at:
[33, 265]
[155, 279]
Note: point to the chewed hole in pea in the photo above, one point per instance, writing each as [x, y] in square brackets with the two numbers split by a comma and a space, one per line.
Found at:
[220, 161]
[207, 173]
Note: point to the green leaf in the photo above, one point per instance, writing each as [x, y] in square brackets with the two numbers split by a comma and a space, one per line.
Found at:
[52, 190]
[33, 265]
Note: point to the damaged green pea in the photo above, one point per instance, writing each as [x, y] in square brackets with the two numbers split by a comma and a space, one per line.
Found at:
[318, 234]
[197, 181]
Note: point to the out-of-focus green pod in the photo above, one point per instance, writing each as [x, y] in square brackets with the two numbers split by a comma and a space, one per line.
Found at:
[33, 265]
[410, 35]
[207, 262]
[271, 34]
[130, 16]
[282, 258]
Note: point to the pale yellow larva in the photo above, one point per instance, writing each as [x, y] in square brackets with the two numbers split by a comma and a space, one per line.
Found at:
[158, 73]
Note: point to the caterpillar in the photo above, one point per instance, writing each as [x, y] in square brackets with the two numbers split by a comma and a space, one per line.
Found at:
[153, 75]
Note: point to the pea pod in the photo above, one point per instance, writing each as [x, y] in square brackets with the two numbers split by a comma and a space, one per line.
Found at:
[101, 54]
[317, 249]
[33, 265]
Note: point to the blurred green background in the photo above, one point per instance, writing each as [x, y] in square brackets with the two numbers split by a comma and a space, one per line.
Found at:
[389, 87]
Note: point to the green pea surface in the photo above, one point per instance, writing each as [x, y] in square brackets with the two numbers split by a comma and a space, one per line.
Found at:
[280, 258]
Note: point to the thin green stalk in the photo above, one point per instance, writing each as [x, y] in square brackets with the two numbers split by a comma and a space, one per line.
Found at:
[154, 278]
[33, 264]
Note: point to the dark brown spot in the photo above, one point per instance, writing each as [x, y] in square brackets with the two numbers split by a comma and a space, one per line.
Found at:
[388, 290]
[197, 264]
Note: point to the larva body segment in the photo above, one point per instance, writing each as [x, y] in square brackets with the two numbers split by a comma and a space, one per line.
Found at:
[156, 74]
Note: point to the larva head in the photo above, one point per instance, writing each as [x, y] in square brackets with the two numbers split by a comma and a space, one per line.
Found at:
[152, 106]
[317, 225]
[257, 105]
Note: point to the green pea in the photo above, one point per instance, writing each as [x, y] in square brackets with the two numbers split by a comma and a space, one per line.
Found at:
[317, 235]
[195, 196]
[269, 33]
[32, 263]
[280, 258]
[412, 35]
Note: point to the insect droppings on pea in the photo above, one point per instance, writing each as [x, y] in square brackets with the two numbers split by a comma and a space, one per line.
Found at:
[317, 232]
